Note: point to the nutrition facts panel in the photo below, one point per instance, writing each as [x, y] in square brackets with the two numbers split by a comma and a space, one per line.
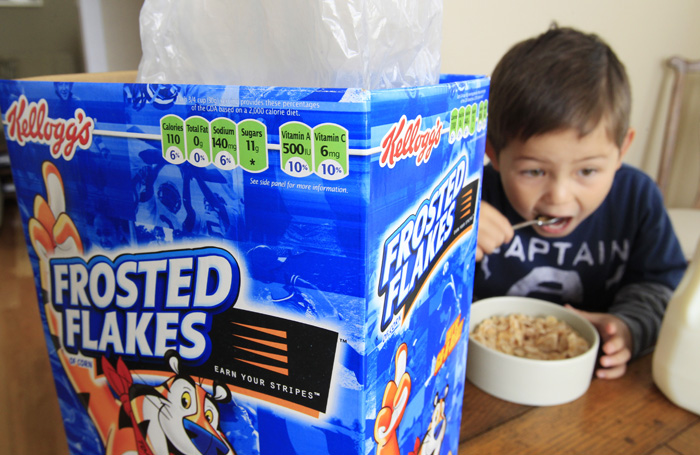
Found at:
[321, 150]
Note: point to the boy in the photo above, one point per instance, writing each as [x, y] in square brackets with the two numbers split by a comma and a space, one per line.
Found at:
[557, 133]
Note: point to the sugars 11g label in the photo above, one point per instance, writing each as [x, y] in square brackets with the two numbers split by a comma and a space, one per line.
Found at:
[252, 145]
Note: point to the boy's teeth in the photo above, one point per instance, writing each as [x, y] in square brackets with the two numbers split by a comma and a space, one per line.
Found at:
[561, 222]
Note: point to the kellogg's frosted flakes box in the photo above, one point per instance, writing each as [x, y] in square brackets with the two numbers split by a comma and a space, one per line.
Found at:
[252, 270]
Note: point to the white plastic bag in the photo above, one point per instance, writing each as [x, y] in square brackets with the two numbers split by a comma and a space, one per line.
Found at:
[369, 44]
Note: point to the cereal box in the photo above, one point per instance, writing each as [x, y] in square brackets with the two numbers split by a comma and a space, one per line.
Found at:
[251, 270]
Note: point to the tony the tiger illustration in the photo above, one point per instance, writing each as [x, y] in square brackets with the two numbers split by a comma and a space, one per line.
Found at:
[144, 412]
[175, 417]
[391, 414]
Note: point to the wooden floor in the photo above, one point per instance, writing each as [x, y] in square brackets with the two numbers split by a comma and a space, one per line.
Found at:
[30, 421]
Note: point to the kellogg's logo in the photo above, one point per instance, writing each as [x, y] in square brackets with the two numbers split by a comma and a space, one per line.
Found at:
[30, 122]
[405, 139]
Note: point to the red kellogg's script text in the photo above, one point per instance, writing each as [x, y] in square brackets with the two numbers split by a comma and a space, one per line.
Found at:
[30, 122]
[405, 139]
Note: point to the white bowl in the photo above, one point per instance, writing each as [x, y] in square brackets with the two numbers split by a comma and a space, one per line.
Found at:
[529, 381]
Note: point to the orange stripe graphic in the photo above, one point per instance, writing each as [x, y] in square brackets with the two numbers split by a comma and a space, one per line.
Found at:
[277, 333]
[280, 358]
[272, 344]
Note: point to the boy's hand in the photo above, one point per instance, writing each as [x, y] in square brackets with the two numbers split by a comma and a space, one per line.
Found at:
[616, 343]
[494, 230]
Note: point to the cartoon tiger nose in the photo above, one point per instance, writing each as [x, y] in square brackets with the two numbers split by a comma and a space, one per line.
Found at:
[205, 441]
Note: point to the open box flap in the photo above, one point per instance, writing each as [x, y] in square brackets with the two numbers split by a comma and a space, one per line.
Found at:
[113, 76]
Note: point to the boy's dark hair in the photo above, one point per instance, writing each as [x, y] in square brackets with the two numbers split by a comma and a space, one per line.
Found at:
[561, 79]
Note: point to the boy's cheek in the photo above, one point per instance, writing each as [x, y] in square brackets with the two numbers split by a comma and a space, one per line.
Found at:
[521, 197]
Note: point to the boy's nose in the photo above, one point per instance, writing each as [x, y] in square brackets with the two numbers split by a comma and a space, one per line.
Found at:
[558, 191]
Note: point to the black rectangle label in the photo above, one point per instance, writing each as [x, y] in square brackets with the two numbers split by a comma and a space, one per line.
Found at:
[271, 356]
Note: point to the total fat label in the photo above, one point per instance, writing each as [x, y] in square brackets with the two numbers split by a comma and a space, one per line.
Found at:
[198, 141]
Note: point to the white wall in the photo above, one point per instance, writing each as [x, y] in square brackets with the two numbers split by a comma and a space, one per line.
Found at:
[643, 33]
[44, 40]
[110, 34]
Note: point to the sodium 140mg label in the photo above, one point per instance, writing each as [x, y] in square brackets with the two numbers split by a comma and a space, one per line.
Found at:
[224, 143]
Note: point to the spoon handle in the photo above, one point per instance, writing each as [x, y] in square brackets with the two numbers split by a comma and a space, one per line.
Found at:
[539, 221]
[525, 224]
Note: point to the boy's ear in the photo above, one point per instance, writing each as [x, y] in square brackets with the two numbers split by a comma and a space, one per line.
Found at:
[629, 137]
[491, 153]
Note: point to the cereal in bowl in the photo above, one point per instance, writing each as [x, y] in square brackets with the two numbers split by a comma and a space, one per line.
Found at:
[542, 338]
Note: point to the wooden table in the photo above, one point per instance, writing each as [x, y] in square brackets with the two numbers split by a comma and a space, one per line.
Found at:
[30, 420]
[629, 415]
[624, 416]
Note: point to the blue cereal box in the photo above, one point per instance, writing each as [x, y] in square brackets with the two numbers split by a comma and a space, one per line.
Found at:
[251, 270]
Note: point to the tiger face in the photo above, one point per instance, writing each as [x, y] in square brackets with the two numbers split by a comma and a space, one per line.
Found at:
[180, 416]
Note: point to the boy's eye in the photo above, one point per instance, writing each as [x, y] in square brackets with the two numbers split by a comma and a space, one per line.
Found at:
[588, 172]
[532, 172]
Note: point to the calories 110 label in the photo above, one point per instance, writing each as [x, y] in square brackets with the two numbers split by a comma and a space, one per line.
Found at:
[322, 150]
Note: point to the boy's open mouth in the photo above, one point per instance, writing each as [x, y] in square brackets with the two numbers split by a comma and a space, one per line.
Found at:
[558, 226]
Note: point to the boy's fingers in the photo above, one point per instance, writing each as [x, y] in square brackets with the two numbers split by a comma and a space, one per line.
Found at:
[611, 329]
[615, 353]
[494, 216]
[600, 321]
[611, 373]
[489, 241]
[492, 236]
[611, 338]
[596, 319]
[612, 345]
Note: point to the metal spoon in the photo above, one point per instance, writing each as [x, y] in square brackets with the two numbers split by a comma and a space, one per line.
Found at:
[541, 220]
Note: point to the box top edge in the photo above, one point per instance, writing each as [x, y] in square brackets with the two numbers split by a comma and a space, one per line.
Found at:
[129, 76]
